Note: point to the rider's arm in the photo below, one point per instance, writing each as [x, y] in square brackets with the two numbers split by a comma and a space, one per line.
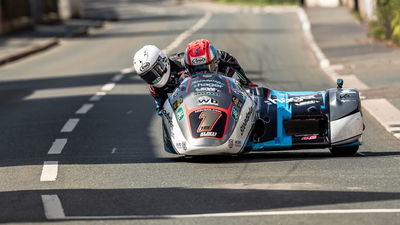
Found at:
[160, 97]
[226, 62]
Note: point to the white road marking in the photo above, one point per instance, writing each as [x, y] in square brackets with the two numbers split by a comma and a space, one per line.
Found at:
[57, 146]
[381, 109]
[117, 77]
[52, 207]
[108, 87]
[113, 150]
[49, 171]
[84, 109]
[97, 96]
[188, 32]
[384, 112]
[70, 125]
[337, 67]
[59, 215]
[127, 70]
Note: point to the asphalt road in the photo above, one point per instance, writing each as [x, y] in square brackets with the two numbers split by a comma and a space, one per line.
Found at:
[112, 168]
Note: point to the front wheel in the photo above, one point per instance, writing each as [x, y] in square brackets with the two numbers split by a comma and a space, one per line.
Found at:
[344, 151]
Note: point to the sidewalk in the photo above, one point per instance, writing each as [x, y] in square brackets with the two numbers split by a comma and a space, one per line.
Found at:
[345, 44]
[18, 45]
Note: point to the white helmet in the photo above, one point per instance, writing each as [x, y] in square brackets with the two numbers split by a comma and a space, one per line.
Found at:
[152, 65]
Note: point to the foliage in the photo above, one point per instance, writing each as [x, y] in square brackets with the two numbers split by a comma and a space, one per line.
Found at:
[262, 2]
[387, 25]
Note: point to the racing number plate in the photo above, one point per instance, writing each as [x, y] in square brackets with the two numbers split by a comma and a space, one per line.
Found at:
[207, 123]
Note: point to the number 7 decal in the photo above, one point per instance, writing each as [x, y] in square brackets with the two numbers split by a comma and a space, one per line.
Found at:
[208, 120]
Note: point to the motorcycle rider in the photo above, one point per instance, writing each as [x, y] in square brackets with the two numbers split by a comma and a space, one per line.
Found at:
[164, 74]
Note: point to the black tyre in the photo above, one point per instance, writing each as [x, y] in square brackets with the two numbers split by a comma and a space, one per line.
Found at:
[344, 151]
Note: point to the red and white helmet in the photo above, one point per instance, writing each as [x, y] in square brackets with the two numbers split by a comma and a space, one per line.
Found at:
[201, 56]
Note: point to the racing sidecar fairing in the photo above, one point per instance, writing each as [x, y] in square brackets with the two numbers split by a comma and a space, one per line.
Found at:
[213, 114]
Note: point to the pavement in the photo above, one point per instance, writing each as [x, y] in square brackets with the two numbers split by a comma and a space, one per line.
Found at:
[370, 65]
[21, 44]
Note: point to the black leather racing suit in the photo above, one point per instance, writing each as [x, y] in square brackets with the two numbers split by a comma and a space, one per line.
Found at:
[227, 65]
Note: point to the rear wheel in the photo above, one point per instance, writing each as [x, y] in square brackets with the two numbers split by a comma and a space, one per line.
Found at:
[344, 151]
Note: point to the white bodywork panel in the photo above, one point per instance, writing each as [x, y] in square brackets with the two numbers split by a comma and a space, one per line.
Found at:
[237, 139]
[346, 128]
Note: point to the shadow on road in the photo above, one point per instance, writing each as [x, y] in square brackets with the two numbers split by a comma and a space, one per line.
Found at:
[179, 31]
[158, 202]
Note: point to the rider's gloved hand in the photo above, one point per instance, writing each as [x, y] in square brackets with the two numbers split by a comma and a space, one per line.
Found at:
[159, 106]
[253, 85]
[159, 110]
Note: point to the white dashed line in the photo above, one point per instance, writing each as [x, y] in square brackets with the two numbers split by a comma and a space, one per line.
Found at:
[108, 87]
[49, 171]
[84, 109]
[52, 207]
[113, 150]
[188, 32]
[55, 212]
[57, 146]
[117, 77]
[70, 125]
[97, 96]
[126, 70]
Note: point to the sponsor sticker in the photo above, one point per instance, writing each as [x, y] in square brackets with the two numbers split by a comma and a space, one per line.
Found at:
[292, 99]
[208, 134]
[246, 120]
[235, 113]
[156, 80]
[203, 100]
[198, 60]
[230, 144]
[145, 66]
[237, 101]
[177, 103]
[207, 89]
[207, 93]
[238, 143]
[180, 113]
[168, 117]
[207, 84]
[309, 138]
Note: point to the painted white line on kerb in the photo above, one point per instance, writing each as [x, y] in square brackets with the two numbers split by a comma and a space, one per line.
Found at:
[57, 146]
[108, 87]
[52, 207]
[97, 96]
[235, 214]
[49, 171]
[188, 32]
[84, 109]
[117, 77]
[70, 125]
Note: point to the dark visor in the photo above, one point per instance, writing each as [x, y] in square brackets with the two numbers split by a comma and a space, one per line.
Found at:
[154, 74]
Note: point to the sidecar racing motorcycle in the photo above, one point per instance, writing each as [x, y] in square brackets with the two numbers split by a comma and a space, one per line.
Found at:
[212, 114]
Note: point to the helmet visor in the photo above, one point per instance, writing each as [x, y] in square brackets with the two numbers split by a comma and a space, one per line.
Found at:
[155, 73]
